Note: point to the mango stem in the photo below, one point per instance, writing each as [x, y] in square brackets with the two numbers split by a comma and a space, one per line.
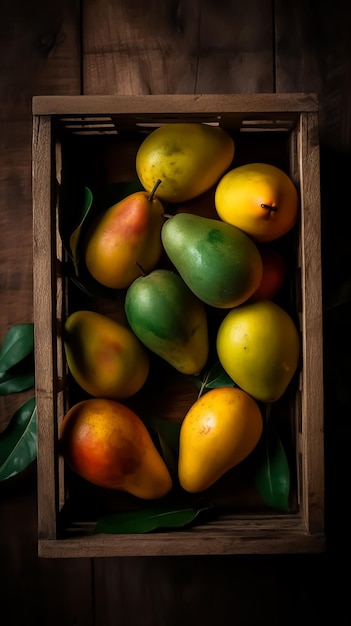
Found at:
[269, 208]
[157, 183]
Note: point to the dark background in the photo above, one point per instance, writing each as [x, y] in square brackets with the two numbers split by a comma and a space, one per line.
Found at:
[194, 46]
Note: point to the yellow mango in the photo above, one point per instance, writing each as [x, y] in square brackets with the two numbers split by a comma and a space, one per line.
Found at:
[258, 198]
[219, 431]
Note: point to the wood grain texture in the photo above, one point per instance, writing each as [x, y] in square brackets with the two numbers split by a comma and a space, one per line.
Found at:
[207, 590]
[311, 52]
[312, 325]
[177, 47]
[39, 53]
[169, 104]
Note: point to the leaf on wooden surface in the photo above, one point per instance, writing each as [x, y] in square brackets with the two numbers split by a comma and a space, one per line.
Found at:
[18, 442]
[214, 377]
[168, 435]
[18, 343]
[272, 473]
[87, 202]
[160, 516]
[14, 381]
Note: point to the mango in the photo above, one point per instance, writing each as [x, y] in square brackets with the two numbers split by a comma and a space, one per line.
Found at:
[259, 198]
[188, 159]
[104, 357]
[220, 264]
[107, 444]
[219, 431]
[258, 345]
[125, 240]
[169, 319]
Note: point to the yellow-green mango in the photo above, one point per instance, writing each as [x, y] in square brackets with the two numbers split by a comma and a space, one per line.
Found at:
[258, 345]
[188, 159]
[169, 319]
[104, 357]
[220, 264]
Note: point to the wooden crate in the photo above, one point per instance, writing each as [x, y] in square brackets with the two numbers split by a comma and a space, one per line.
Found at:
[93, 141]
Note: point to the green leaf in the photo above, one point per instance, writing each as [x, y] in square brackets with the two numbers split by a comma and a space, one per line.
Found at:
[168, 435]
[149, 519]
[18, 442]
[272, 474]
[12, 382]
[16, 346]
[77, 208]
[89, 286]
[214, 377]
[73, 208]
[75, 236]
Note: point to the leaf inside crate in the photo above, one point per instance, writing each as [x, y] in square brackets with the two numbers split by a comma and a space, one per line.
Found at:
[212, 378]
[88, 285]
[168, 435]
[160, 516]
[272, 473]
[78, 206]
[75, 235]
[18, 442]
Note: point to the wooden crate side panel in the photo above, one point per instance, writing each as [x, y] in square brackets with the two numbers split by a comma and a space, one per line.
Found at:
[294, 173]
[44, 297]
[247, 535]
[312, 419]
[270, 103]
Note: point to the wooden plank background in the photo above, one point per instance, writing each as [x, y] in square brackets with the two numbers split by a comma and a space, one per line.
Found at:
[194, 46]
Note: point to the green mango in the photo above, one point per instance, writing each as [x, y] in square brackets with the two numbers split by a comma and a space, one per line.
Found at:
[220, 263]
[169, 320]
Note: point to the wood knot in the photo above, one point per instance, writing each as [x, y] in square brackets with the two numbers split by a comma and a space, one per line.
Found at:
[49, 41]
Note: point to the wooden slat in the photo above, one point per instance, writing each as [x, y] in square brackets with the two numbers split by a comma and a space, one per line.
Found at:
[312, 425]
[172, 104]
[177, 47]
[248, 535]
[44, 299]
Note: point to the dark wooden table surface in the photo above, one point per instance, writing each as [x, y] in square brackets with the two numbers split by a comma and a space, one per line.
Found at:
[194, 46]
